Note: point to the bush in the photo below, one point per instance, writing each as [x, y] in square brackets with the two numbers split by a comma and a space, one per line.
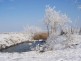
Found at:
[42, 36]
[55, 42]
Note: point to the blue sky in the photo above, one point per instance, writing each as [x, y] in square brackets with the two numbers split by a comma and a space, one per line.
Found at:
[15, 14]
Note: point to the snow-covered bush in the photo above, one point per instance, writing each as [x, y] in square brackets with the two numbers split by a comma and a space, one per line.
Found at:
[68, 29]
[55, 42]
[76, 30]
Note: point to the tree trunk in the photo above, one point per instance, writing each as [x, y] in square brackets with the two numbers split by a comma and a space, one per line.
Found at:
[48, 29]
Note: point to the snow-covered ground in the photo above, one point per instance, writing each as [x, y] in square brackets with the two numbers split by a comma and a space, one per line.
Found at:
[9, 39]
[57, 55]
[68, 54]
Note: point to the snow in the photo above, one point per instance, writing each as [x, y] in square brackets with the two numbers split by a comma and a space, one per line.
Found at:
[75, 39]
[68, 54]
[57, 55]
[9, 39]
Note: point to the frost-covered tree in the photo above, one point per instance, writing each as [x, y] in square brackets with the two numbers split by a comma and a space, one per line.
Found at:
[54, 19]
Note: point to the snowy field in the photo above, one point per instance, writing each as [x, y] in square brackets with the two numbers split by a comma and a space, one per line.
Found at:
[8, 39]
[58, 55]
[68, 54]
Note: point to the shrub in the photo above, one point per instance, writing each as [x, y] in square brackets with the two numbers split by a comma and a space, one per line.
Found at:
[42, 36]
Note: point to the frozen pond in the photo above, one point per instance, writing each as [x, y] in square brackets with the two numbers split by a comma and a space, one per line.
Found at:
[23, 47]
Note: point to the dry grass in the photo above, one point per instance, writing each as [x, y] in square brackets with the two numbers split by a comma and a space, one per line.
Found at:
[38, 36]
